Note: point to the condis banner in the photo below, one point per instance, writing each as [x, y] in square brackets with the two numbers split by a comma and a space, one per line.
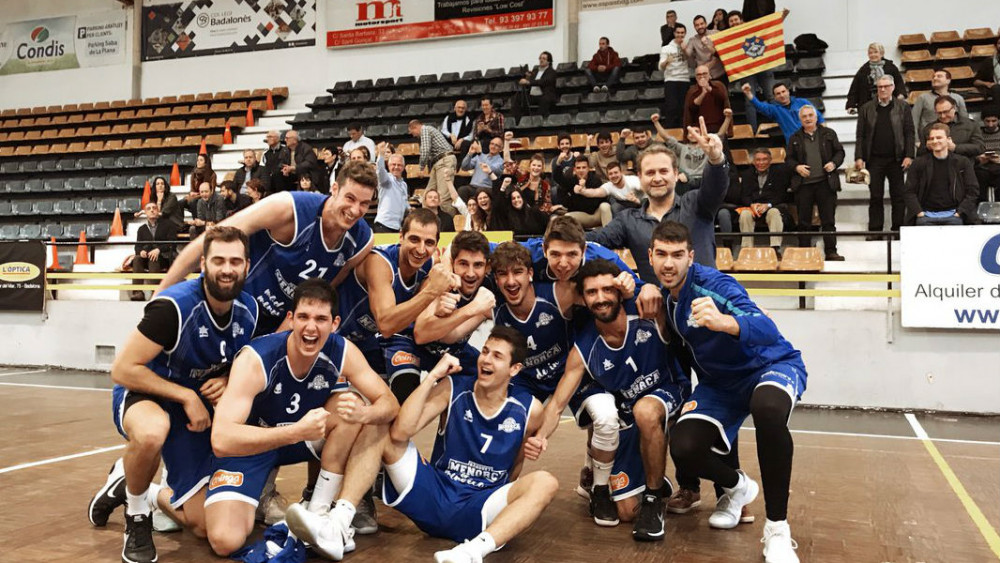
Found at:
[80, 41]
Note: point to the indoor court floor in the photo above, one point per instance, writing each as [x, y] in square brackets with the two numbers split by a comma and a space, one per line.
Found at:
[866, 487]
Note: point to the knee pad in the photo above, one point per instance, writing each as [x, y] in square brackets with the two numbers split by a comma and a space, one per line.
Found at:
[605, 433]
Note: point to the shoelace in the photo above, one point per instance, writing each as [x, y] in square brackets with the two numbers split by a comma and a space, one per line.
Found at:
[768, 534]
[724, 504]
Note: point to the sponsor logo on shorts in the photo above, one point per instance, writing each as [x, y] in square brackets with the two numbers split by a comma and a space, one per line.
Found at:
[689, 406]
[223, 478]
[509, 425]
[402, 358]
[618, 481]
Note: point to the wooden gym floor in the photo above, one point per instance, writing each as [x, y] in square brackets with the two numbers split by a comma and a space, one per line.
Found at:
[866, 487]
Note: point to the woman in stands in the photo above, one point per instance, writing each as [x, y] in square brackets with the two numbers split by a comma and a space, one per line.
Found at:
[170, 209]
[255, 189]
[512, 213]
[863, 86]
[534, 187]
[306, 183]
[719, 19]
[203, 173]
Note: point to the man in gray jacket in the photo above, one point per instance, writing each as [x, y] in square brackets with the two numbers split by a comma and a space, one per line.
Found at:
[923, 108]
[966, 136]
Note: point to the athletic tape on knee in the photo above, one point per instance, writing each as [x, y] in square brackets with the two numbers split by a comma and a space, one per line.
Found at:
[605, 434]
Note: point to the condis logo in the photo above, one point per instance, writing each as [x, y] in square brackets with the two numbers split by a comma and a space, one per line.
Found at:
[989, 259]
[39, 36]
[18, 272]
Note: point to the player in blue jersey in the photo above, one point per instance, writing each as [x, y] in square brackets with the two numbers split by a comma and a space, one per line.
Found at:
[471, 490]
[625, 356]
[445, 326]
[744, 367]
[286, 404]
[170, 372]
[296, 236]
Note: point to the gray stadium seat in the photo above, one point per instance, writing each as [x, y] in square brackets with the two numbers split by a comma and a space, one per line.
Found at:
[23, 208]
[501, 88]
[342, 86]
[117, 183]
[146, 160]
[97, 183]
[376, 130]
[441, 108]
[86, 206]
[10, 232]
[626, 96]
[12, 167]
[365, 84]
[427, 79]
[477, 90]
[43, 207]
[495, 73]
[106, 163]
[634, 78]
[48, 165]
[383, 83]
[76, 184]
[68, 163]
[55, 185]
[643, 114]
[50, 230]
[72, 230]
[138, 181]
[65, 207]
[558, 120]
[107, 205]
[321, 101]
[613, 116]
[406, 81]
[29, 166]
[165, 160]
[130, 204]
[125, 161]
[563, 68]
[587, 118]
[472, 75]
[371, 112]
[393, 111]
[6, 209]
[15, 186]
[568, 101]
[596, 98]
[530, 122]
[98, 231]
[31, 232]
[187, 159]
[88, 163]
[34, 185]
[385, 96]
[449, 77]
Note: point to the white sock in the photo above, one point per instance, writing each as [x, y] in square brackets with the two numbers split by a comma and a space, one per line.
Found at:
[778, 524]
[153, 495]
[137, 504]
[602, 472]
[345, 511]
[484, 544]
[327, 488]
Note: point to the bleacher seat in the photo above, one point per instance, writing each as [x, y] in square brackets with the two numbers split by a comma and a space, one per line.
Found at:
[495, 73]
[86, 206]
[919, 76]
[73, 230]
[50, 230]
[35, 185]
[625, 96]
[15, 186]
[643, 115]
[756, 259]
[98, 231]
[6, 209]
[97, 183]
[945, 38]
[586, 118]
[912, 41]
[980, 52]
[566, 68]
[979, 36]
[596, 98]
[10, 232]
[951, 54]
[106, 205]
[447, 77]
[130, 204]
[64, 207]
[794, 259]
[31, 232]
[558, 120]
[723, 259]
[634, 78]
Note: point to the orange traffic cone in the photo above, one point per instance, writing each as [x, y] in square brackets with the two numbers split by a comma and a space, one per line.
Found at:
[203, 149]
[175, 176]
[249, 117]
[270, 101]
[55, 255]
[116, 223]
[82, 252]
[146, 195]
[227, 135]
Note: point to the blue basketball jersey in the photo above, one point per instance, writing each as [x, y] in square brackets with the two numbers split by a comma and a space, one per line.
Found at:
[275, 268]
[357, 323]
[203, 349]
[592, 251]
[639, 366]
[549, 339]
[285, 398]
[476, 452]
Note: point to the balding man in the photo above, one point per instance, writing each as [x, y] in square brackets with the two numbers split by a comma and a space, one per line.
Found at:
[459, 127]
[814, 154]
[303, 161]
[275, 158]
[393, 193]
[437, 158]
[707, 98]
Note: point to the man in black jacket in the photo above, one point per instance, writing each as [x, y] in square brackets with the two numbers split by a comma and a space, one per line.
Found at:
[247, 172]
[584, 201]
[538, 87]
[303, 160]
[965, 136]
[153, 257]
[275, 158]
[814, 154]
[941, 187]
[885, 146]
[764, 198]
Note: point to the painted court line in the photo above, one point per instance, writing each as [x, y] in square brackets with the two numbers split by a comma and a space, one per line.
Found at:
[39, 386]
[883, 436]
[21, 372]
[61, 458]
[989, 534]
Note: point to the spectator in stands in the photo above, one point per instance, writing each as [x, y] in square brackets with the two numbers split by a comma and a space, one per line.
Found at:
[484, 202]
[604, 67]
[358, 139]
[153, 251]
[459, 127]
[987, 165]
[753, 9]
[762, 82]
[923, 109]
[170, 209]
[720, 20]
[393, 192]
[988, 76]
[306, 184]
[202, 172]
[966, 138]
[233, 200]
[676, 67]
[785, 110]
[706, 98]
[667, 33]
[331, 161]
[483, 166]
[432, 202]
[437, 158]
[512, 213]
[643, 138]
[565, 145]
[255, 190]
[476, 217]
[764, 198]
[248, 171]
[303, 159]
[701, 50]
[884, 145]
[691, 159]
[577, 181]
[605, 155]
[726, 218]
[863, 87]
[537, 87]
[941, 187]
[359, 154]
[210, 209]
[624, 191]
[814, 154]
[189, 204]
[274, 160]
[489, 124]
[534, 188]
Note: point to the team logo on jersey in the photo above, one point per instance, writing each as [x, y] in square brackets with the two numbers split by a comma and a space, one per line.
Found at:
[608, 366]
[618, 481]
[689, 406]
[223, 478]
[237, 330]
[691, 322]
[509, 425]
[468, 415]
[203, 332]
[543, 320]
[318, 383]
[401, 358]
[642, 336]
[339, 260]
[277, 389]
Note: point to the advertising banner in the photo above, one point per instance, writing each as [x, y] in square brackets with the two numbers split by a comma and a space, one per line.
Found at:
[81, 41]
[608, 4]
[361, 23]
[22, 276]
[950, 276]
[191, 28]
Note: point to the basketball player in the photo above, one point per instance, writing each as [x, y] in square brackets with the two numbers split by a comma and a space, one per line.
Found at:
[744, 367]
[285, 397]
[170, 371]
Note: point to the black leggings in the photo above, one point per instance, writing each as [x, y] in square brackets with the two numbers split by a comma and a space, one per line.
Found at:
[692, 440]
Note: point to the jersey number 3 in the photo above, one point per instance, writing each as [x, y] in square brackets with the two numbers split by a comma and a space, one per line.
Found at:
[294, 407]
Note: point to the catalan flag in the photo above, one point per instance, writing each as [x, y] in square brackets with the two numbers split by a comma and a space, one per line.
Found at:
[752, 47]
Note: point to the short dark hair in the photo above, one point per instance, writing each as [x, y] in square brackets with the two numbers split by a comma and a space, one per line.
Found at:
[699, 17]
[423, 216]
[655, 149]
[606, 39]
[486, 99]
[946, 72]
[613, 164]
[470, 241]
[518, 342]
[680, 26]
[671, 231]
[734, 13]
[508, 254]
[228, 184]
[604, 136]
[594, 268]
[354, 126]
[580, 159]
[760, 150]
[938, 127]
[566, 229]
[948, 99]
[316, 289]
[562, 136]
[782, 84]
[362, 173]
[223, 233]
[547, 54]
[671, 12]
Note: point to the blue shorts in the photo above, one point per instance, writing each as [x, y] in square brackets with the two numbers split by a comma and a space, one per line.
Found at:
[726, 404]
[439, 506]
[187, 455]
[243, 478]
[587, 389]
[468, 356]
[399, 356]
[628, 476]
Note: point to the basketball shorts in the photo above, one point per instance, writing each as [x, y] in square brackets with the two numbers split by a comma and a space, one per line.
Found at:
[243, 478]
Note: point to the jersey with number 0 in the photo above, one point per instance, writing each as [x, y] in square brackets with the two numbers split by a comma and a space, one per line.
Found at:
[357, 323]
[475, 451]
[286, 398]
[203, 349]
[276, 268]
[549, 340]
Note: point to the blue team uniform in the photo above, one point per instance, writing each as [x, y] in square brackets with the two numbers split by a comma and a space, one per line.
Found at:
[387, 354]
[729, 369]
[284, 400]
[468, 355]
[592, 251]
[276, 269]
[472, 459]
[203, 350]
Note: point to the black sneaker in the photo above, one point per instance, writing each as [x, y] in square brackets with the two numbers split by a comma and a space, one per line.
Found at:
[586, 482]
[649, 523]
[139, 546]
[365, 520]
[109, 497]
[307, 495]
[602, 508]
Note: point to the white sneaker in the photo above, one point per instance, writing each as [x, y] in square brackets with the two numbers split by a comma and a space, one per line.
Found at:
[779, 547]
[729, 508]
[164, 524]
[327, 536]
[461, 553]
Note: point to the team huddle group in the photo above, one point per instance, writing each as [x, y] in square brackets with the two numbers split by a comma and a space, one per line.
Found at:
[302, 342]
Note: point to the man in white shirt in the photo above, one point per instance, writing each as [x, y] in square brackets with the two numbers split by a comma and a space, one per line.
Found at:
[393, 193]
[358, 139]
[624, 190]
[676, 67]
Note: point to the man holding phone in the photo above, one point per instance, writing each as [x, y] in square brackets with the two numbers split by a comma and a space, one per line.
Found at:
[987, 165]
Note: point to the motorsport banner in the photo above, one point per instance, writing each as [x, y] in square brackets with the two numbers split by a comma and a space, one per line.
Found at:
[22, 276]
[80, 41]
[360, 23]
[173, 29]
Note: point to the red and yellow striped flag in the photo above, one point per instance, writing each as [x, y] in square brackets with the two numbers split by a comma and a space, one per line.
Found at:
[752, 47]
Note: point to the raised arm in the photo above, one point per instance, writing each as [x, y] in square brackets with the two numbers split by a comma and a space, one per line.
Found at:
[392, 317]
[427, 401]
[383, 406]
[573, 374]
[439, 321]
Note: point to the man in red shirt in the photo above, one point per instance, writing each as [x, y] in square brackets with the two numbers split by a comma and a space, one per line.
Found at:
[604, 67]
[707, 98]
